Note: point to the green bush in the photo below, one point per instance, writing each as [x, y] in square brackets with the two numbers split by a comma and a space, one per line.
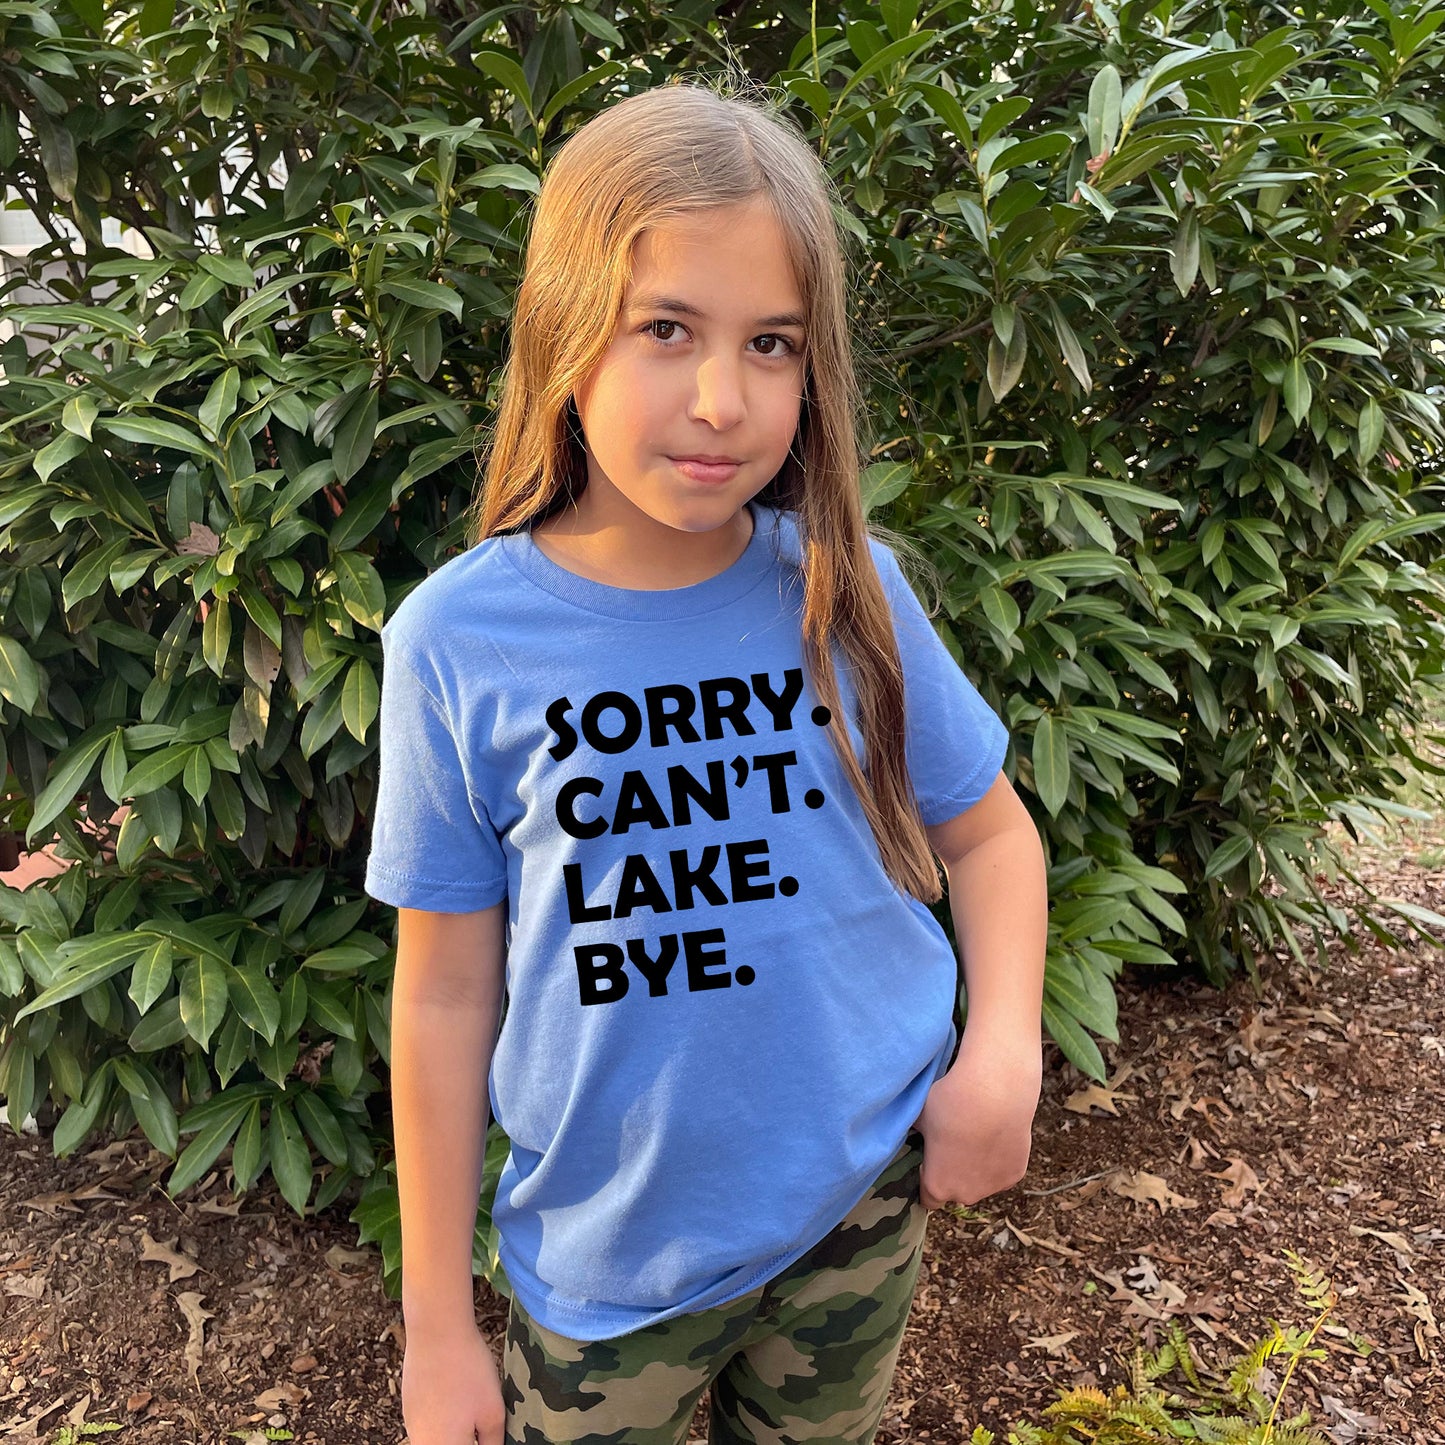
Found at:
[1150, 308]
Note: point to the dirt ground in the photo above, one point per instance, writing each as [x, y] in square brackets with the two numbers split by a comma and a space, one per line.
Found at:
[1235, 1126]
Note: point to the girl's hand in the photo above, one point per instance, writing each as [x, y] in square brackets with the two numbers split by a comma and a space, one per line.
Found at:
[976, 1120]
[451, 1390]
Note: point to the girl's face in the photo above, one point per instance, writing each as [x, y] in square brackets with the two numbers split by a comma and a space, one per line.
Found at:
[707, 360]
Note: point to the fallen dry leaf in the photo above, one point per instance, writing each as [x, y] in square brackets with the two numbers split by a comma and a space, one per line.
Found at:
[210, 1206]
[1241, 1178]
[1146, 1188]
[1053, 1344]
[1050, 1244]
[196, 1317]
[1097, 1096]
[1396, 1241]
[49, 1203]
[182, 1266]
[1353, 1424]
[30, 1286]
[278, 1397]
[338, 1256]
[1199, 1153]
[1419, 1308]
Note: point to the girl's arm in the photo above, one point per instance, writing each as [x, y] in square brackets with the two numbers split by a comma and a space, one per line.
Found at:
[977, 1117]
[446, 1003]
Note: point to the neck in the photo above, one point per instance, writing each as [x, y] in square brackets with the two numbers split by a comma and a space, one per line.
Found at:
[638, 552]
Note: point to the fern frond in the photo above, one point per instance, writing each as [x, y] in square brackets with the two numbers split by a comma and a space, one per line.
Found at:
[1084, 1400]
[1242, 1376]
[1296, 1435]
[1139, 1375]
[1183, 1354]
[1225, 1430]
[1147, 1412]
[1028, 1435]
[1311, 1282]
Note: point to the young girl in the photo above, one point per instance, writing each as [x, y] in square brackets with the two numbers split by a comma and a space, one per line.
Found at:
[666, 759]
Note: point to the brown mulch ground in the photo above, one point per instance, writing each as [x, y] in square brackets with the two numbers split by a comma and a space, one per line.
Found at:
[1235, 1126]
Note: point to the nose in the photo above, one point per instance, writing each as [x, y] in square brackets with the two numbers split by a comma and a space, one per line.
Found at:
[718, 398]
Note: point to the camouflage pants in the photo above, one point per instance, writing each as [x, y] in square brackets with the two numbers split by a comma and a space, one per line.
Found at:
[808, 1356]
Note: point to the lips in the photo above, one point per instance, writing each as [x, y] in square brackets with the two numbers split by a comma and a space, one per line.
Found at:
[706, 471]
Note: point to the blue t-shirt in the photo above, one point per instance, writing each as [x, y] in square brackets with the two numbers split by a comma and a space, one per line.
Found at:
[722, 1016]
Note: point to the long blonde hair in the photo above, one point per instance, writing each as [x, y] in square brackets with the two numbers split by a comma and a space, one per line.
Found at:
[646, 160]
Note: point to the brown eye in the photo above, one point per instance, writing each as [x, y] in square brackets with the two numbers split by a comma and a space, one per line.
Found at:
[772, 336]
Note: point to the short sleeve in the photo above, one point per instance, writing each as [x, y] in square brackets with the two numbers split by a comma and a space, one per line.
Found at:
[956, 742]
[432, 844]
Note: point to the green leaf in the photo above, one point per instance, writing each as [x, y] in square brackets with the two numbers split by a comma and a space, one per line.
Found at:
[344, 958]
[231, 270]
[1050, 754]
[1105, 99]
[203, 998]
[151, 975]
[216, 635]
[86, 968]
[246, 1156]
[501, 66]
[273, 294]
[220, 401]
[57, 147]
[360, 699]
[1298, 393]
[1000, 609]
[362, 592]
[882, 482]
[564, 96]
[154, 771]
[302, 900]
[898, 51]
[517, 178]
[1371, 429]
[1078, 1047]
[161, 1028]
[1006, 363]
[1074, 356]
[290, 1158]
[50, 458]
[70, 770]
[19, 677]
[1088, 997]
[88, 575]
[256, 1000]
[321, 1126]
[1184, 252]
[425, 295]
[88, 319]
[79, 1119]
[196, 776]
[424, 346]
[1232, 851]
[153, 1109]
[1000, 114]
[205, 1148]
[356, 434]
[152, 431]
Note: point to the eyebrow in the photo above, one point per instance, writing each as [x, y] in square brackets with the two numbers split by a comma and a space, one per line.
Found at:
[684, 308]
